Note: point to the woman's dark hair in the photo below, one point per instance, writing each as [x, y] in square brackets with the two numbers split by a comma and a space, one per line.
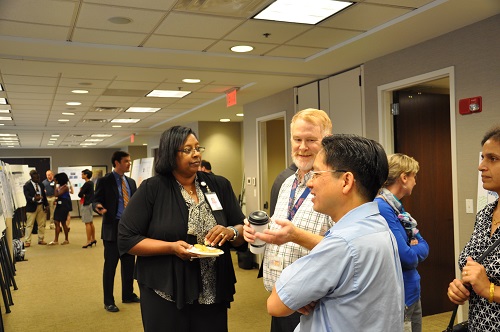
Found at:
[117, 156]
[61, 178]
[364, 157]
[88, 173]
[171, 142]
[493, 133]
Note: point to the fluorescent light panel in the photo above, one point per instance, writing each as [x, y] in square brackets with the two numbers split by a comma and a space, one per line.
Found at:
[101, 135]
[125, 120]
[4, 111]
[3, 101]
[143, 109]
[305, 11]
[5, 118]
[168, 93]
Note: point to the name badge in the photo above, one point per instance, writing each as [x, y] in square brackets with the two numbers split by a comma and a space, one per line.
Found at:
[276, 263]
[214, 202]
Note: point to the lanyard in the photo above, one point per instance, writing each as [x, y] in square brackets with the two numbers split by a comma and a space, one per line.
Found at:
[292, 208]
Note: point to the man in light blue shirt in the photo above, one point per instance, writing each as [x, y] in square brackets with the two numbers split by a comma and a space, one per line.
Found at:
[352, 279]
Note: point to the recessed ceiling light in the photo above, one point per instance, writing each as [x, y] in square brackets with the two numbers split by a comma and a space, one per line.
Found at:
[63, 120]
[68, 113]
[4, 111]
[143, 109]
[144, 143]
[306, 12]
[10, 139]
[94, 140]
[50, 143]
[120, 20]
[8, 135]
[191, 80]
[101, 135]
[168, 93]
[52, 139]
[54, 135]
[5, 118]
[80, 91]
[116, 126]
[125, 120]
[241, 48]
[88, 144]
[2, 124]
[240, 114]
[225, 120]
[10, 146]
[73, 103]
[3, 101]
[1, 87]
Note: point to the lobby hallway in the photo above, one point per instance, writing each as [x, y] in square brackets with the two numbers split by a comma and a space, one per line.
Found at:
[60, 289]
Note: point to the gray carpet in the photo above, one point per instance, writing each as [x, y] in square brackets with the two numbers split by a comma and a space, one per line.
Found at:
[60, 289]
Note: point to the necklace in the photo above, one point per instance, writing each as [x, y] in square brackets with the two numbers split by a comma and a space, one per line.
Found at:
[496, 222]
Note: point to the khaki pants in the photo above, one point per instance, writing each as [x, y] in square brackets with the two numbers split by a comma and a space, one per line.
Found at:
[52, 208]
[40, 217]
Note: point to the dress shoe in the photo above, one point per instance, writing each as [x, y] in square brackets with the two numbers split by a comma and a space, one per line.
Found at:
[111, 308]
[43, 243]
[134, 299]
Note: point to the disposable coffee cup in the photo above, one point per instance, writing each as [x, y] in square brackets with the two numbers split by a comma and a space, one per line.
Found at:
[259, 221]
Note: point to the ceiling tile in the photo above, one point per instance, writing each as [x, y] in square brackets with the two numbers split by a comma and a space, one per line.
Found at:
[200, 26]
[32, 30]
[279, 32]
[178, 43]
[363, 16]
[323, 37]
[82, 35]
[52, 12]
[147, 4]
[95, 16]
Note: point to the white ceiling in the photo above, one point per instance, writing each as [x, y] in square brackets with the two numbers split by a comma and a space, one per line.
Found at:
[50, 47]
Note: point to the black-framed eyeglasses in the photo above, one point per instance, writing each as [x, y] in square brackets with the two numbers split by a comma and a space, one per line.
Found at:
[315, 174]
[199, 149]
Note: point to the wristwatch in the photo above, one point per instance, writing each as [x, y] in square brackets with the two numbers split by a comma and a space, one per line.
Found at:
[236, 233]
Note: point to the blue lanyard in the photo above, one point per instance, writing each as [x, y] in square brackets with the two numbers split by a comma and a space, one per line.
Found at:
[292, 208]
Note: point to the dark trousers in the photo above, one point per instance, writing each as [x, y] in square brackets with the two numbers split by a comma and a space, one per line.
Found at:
[285, 324]
[159, 315]
[111, 257]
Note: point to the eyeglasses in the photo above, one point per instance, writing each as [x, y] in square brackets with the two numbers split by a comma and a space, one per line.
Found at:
[315, 174]
[199, 149]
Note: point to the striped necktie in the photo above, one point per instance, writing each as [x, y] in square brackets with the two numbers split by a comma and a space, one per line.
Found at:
[124, 193]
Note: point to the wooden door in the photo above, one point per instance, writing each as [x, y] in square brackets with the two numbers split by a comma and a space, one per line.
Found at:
[422, 130]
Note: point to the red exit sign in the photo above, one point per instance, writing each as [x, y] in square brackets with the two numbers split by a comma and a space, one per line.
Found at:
[231, 98]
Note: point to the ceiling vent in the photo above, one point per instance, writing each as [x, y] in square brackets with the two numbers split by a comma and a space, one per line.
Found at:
[108, 109]
[95, 120]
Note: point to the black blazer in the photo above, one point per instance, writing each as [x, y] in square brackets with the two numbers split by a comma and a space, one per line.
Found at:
[106, 194]
[30, 192]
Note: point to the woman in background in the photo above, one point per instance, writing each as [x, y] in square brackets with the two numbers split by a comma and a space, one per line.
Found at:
[63, 206]
[484, 278]
[87, 196]
[412, 247]
[170, 213]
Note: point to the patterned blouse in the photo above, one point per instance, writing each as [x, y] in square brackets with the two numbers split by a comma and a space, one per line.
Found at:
[483, 316]
[200, 221]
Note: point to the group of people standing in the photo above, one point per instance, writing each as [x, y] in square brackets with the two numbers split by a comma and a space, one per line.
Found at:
[51, 200]
[341, 255]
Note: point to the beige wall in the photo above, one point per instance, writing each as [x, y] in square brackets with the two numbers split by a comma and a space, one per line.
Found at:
[223, 150]
[474, 52]
[280, 102]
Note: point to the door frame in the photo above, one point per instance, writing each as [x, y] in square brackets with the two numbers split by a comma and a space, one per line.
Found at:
[386, 137]
[262, 153]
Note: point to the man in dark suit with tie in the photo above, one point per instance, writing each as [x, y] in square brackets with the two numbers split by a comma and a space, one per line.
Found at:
[111, 198]
[36, 208]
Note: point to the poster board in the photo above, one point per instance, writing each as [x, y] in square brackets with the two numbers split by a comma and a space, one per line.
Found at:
[75, 177]
[17, 176]
[142, 169]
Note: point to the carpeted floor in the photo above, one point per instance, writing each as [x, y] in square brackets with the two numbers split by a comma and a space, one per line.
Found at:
[60, 289]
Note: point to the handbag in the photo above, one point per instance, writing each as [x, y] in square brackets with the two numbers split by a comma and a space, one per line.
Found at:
[464, 326]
